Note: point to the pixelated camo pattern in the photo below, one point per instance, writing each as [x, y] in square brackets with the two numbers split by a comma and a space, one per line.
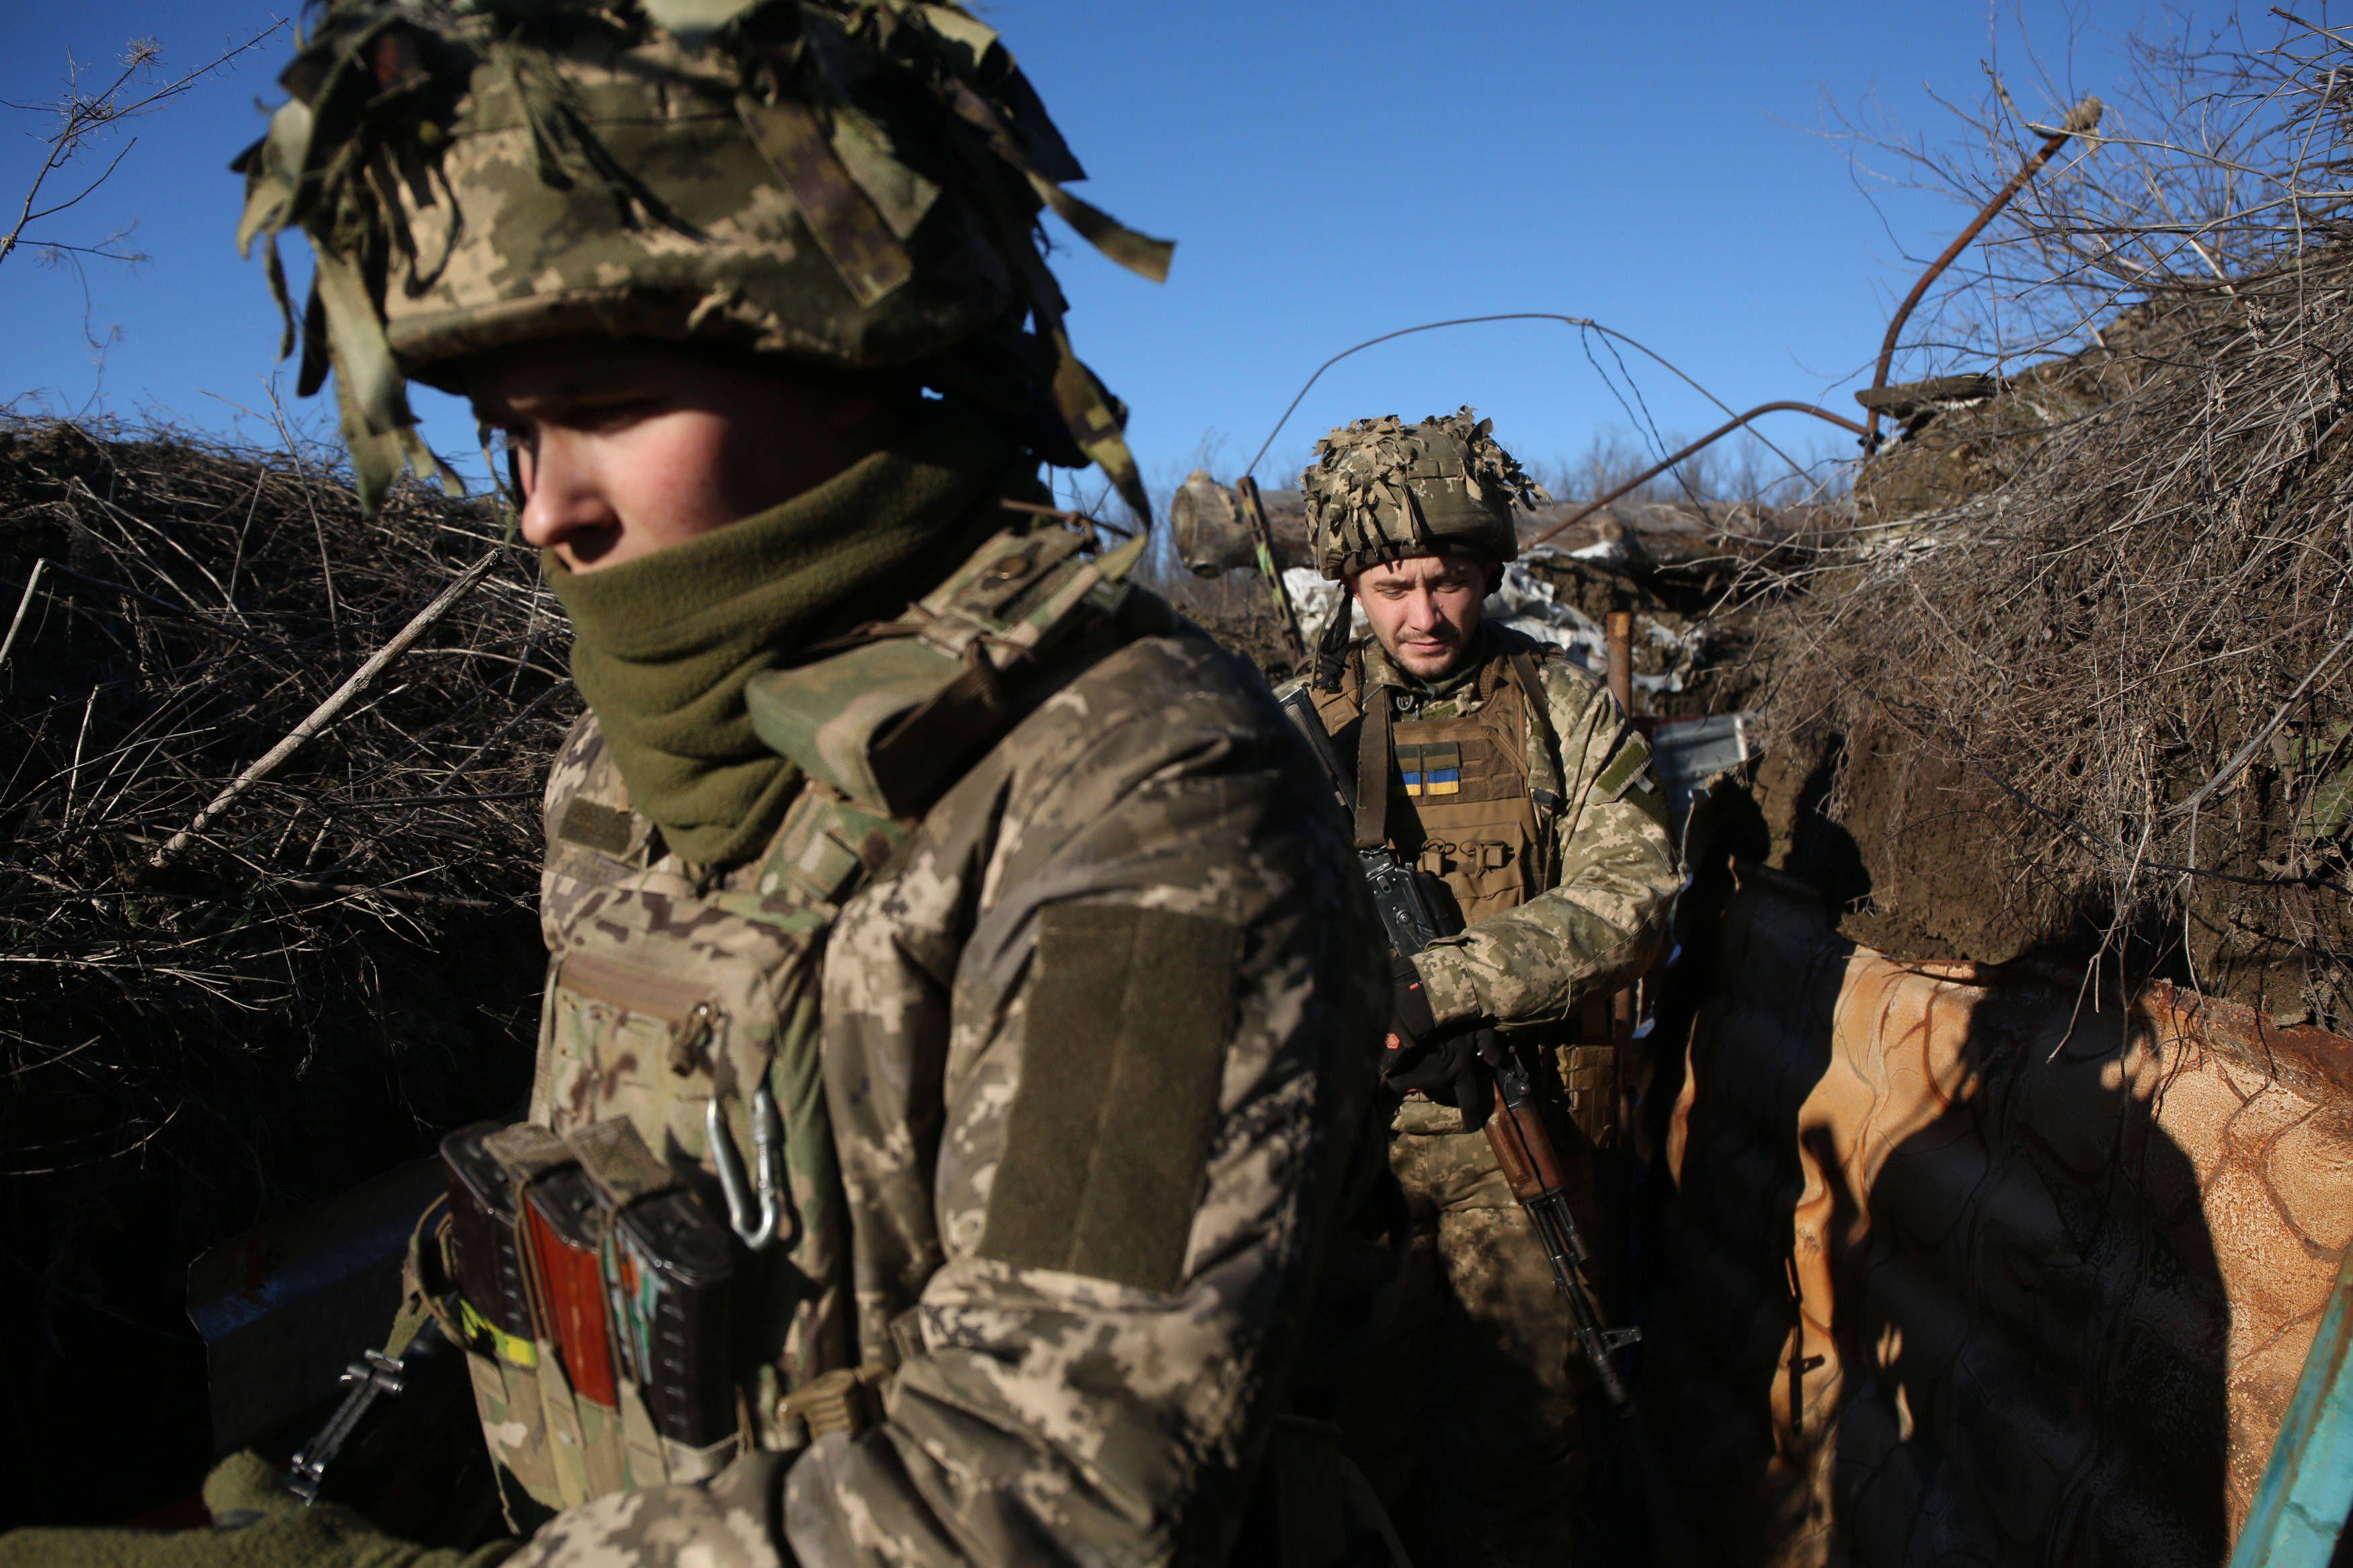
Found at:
[852, 183]
[1606, 913]
[1044, 1415]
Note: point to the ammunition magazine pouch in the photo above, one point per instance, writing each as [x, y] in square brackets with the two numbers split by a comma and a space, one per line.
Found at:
[601, 1395]
[1588, 1076]
[1591, 1064]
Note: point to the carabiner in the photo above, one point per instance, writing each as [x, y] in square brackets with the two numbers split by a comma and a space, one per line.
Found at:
[768, 1155]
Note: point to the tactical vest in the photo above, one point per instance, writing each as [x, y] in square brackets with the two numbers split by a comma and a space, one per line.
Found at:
[683, 1005]
[1469, 801]
[1474, 800]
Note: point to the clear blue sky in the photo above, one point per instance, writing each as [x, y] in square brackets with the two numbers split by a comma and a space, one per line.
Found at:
[1330, 170]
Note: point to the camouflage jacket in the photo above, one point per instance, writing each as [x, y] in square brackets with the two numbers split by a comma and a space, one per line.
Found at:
[1095, 1045]
[1611, 867]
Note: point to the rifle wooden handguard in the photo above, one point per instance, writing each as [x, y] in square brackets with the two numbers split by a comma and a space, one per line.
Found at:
[1524, 1149]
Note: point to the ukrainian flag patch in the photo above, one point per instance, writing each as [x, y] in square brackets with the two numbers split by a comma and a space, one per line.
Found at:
[1429, 768]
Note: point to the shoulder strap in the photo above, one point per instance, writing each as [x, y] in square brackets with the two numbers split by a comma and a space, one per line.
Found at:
[1336, 706]
[1544, 759]
[890, 721]
[827, 848]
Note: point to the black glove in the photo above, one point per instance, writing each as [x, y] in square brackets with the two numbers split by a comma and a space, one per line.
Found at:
[1450, 1071]
[1411, 1022]
[1447, 1067]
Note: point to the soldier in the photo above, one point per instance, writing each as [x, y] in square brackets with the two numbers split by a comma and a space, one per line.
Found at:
[969, 933]
[1514, 779]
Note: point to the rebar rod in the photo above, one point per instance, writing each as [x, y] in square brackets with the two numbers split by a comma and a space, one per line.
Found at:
[1655, 469]
[2083, 117]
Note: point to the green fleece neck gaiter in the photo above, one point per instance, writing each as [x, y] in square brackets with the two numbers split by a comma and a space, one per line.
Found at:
[663, 645]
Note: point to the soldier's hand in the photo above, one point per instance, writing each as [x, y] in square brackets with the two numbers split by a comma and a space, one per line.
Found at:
[1411, 1022]
[1447, 1067]
[1449, 1070]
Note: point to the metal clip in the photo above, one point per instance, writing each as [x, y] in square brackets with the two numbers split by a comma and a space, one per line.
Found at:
[376, 1375]
[768, 1155]
[689, 1036]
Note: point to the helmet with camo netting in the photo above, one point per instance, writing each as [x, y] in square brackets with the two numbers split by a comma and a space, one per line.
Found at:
[1381, 489]
[849, 184]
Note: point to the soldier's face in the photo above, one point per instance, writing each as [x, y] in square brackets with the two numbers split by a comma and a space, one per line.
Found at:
[1423, 610]
[624, 448]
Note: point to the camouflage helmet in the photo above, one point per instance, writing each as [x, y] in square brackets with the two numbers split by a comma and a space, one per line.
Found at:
[845, 182]
[1381, 489]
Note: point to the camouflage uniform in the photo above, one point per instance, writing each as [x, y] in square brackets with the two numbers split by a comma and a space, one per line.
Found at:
[1111, 1403]
[1550, 832]
[1046, 1016]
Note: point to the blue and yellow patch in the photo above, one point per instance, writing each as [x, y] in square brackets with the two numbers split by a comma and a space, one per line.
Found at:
[1430, 768]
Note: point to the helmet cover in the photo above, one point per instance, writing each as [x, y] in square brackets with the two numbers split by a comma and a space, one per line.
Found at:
[853, 183]
[1380, 490]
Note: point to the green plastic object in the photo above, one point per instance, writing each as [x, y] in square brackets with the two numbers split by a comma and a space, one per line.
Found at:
[2308, 1488]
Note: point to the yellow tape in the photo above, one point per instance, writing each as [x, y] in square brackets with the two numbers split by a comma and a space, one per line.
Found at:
[517, 1352]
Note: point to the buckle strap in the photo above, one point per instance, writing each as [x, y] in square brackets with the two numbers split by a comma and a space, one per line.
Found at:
[1545, 761]
[847, 1399]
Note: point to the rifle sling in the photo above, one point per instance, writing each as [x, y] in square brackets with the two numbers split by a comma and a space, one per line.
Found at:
[1373, 761]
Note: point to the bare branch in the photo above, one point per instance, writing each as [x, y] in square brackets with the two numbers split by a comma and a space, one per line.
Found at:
[80, 116]
[2093, 618]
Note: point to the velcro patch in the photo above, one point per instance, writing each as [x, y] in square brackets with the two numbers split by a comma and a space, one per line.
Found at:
[1431, 767]
[1633, 762]
[1121, 1061]
[1650, 800]
[595, 826]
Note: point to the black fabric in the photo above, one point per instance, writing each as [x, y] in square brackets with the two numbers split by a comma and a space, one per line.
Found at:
[1410, 1017]
[1122, 1057]
[1332, 647]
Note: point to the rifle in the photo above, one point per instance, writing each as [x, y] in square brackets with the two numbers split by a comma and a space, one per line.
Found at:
[1294, 642]
[1414, 915]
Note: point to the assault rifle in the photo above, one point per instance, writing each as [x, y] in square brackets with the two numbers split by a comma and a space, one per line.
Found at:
[1414, 914]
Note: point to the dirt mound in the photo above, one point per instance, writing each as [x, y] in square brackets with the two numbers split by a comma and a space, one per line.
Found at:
[340, 964]
[2094, 696]
[2079, 678]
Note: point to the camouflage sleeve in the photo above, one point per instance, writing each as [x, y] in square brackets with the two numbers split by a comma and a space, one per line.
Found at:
[1606, 913]
[1065, 1405]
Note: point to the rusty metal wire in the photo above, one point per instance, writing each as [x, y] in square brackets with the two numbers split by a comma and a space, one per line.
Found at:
[1738, 422]
[2083, 117]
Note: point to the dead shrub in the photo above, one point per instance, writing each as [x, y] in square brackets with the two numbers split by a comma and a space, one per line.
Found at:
[343, 963]
[2088, 654]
